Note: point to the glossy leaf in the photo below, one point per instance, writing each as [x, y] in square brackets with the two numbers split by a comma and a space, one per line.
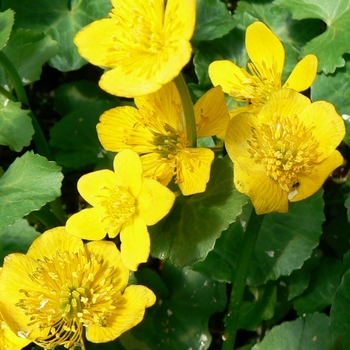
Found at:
[60, 20]
[6, 22]
[190, 230]
[331, 45]
[30, 182]
[180, 320]
[15, 125]
[334, 88]
[310, 332]
[16, 238]
[213, 20]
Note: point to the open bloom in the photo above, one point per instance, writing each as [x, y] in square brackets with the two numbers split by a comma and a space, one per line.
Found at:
[264, 75]
[144, 45]
[286, 152]
[157, 131]
[123, 201]
[62, 286]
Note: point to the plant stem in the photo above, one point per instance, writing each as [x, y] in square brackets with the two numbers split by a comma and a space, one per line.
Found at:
[38, 138]
[187, 105]
[240, 279]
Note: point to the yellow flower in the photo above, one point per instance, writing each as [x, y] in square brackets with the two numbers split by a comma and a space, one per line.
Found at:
[156, 130]
[62, 286]
[144, 45]
[8, 339]
[265, 71]
[286, 152]
[123, 201]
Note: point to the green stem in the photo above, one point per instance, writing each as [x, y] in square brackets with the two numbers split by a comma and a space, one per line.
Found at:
[39, 137]
[7, 94]
[187, 106]
[240, 279]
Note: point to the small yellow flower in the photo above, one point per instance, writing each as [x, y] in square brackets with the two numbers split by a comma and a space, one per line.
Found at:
[61, 287]
[265, 71]
[156, 130]
[123, 201]
[145, 45]
[286, 152]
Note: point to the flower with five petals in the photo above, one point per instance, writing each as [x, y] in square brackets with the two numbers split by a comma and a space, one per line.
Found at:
[144, 45]
[124, 202]
[255, 86]
[62, 287]
[286, 152]
[156, 130]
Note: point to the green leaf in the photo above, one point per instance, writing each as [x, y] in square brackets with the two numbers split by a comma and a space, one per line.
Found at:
[331, 45]
[180, 320]
[74, 138]
[213, 20]
[16, 238]
[28, 51]
[190, 230]
[6, 22]
[286, 240]
[61, 20]
[340, 312]
[334, 88]
[323, 283]
[30, 182]
[310, 332]
[15, 125]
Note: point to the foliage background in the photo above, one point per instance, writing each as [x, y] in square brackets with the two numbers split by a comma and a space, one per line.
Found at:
[298, 288]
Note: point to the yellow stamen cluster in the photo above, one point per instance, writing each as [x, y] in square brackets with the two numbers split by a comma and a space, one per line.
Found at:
[76, 290]
[285, 148]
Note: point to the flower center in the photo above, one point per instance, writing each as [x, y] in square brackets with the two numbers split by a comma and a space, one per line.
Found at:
[286, 149]
[74, 290]
[120, 205]
[257, 87]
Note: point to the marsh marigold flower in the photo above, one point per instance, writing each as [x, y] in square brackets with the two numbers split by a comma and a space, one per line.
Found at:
[264, 75]
[286, 152]
[144, 45]
[156, 130]
[122, 201]
[62, 287]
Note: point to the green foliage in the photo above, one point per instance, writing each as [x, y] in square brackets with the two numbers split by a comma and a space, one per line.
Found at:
[6, 23]
[331, 45]
[29, 183]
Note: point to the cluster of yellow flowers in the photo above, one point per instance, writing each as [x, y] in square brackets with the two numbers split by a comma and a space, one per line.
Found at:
[282, 146]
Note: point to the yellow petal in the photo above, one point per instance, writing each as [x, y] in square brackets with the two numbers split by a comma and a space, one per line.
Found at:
[157, 168]
[154, 202]
[227, 75]
[179, 20]
[266, 51]
[87, 224]
[55, 239]
[165, 104]
[93, 43]
[266, 195]
[129, 313]
[115, 127]
[128, 171]
[303, 75]
[193, 169]
[327, 126]
[9, 340]
[211, 113]
[238, 133]
[95, 186]
[311, 183]
[111, 259]
[14, 278]
[285, 102]
[136, 243]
